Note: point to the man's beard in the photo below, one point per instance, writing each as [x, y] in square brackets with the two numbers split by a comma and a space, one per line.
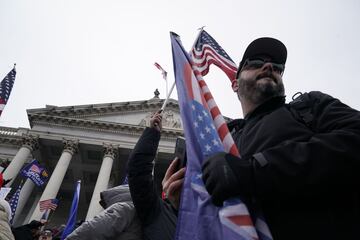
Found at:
[258, 93]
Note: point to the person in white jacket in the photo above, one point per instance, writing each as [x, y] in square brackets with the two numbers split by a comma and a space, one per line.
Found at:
[5, 216]
[117, 222]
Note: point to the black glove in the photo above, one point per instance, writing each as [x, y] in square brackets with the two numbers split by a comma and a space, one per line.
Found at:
[227, 176]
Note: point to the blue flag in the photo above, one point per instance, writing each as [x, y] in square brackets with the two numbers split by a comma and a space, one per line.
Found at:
[126, 180]
[73, 212]
[206, 133]
[36, 173]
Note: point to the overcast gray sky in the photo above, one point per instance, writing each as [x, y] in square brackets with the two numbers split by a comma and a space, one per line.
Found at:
[73, 52]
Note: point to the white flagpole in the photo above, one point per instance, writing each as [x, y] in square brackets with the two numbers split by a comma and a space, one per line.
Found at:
[44, 220]
[167, 92]
[172, 87]
[197, 37]
[168, 96]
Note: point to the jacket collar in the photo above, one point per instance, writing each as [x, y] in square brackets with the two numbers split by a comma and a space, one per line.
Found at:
[268, 106]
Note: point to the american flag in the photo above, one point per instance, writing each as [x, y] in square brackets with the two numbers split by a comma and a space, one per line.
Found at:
[6, 87]
[163, 72]
[48, 204]
[14, 202]
[206, 133]
[35, 168]
[207, 51]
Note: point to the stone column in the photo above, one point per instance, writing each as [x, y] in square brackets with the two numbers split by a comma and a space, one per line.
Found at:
[23, 198]
[53, 186]
[29, 143]
[102, 180]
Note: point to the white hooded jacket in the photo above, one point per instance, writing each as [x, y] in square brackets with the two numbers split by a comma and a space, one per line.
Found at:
[117, 222]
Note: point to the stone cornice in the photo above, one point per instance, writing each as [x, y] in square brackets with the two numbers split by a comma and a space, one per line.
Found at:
[9, 131]
[102, 109]
[11, 140]
[11, 136]
[95, 125]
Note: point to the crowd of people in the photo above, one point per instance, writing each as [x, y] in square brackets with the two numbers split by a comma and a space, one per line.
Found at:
[299, 163]
[35, 230]
[32, 231]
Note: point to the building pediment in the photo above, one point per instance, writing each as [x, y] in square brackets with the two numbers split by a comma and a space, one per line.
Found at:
[134, 113]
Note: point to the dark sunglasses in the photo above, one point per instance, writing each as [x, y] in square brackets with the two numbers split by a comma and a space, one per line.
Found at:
[259, 63]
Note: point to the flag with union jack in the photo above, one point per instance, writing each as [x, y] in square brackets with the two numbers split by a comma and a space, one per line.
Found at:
[207, 51]
[206, 133]
[6, 86]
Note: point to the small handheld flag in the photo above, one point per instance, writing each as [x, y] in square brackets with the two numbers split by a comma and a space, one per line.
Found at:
[48, 204]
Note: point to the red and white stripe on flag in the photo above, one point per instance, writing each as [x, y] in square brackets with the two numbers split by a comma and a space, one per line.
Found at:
[219, 121]
[163, 72]
[207, 51]
[47, 204]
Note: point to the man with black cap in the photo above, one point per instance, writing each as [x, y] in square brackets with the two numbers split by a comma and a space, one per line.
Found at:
[299, 161]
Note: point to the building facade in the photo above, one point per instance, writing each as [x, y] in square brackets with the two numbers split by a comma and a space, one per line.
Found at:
[90, 143]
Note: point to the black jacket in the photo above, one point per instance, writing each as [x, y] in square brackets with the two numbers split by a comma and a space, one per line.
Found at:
[306, 179]
[158, 217]
[23, 233]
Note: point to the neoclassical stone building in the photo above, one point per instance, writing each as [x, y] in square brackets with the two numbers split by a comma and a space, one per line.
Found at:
[90, 143]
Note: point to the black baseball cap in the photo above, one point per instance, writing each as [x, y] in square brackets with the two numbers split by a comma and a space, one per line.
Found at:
[264, 46]
[35, 224]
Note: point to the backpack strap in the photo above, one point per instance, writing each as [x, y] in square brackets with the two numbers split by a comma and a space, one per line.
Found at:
[301, 108]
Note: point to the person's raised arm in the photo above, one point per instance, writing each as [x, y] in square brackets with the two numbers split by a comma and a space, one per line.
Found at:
[140, 168]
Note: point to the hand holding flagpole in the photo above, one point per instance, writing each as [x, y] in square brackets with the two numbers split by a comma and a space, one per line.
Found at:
[165, 101]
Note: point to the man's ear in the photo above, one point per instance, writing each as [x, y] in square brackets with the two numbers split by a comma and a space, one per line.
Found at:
[235, 85]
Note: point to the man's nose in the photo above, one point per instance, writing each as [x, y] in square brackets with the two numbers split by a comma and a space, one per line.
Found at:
[268, 67]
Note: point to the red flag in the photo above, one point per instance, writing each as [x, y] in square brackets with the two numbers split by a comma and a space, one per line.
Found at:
[163, 72]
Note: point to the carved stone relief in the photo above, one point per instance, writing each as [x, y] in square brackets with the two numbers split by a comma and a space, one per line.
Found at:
[71, 146]
[169, 120]
[110, 150]
[30, 141]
